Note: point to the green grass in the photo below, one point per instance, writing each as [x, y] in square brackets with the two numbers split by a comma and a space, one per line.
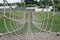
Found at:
[56, 24]
[2, 27]
[42, 15]
[13, 24]
[38, 16]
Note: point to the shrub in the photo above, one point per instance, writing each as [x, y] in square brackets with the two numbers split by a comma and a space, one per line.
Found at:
[20, 4]
[31, 5]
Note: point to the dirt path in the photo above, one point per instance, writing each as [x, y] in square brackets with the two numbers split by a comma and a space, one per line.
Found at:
[36, 36]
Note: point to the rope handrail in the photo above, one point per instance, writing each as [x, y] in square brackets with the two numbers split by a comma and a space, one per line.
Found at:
[12, 19]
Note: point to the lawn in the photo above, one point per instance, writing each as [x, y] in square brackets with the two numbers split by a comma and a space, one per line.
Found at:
[56, 23]
[38, 16]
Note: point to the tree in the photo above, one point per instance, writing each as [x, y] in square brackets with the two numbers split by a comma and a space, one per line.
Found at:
[29, 2]
[1, 4]
[57, 4]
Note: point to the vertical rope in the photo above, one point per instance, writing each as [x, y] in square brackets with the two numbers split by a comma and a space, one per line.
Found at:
[47, 17]
[4, 15]
[53, 14]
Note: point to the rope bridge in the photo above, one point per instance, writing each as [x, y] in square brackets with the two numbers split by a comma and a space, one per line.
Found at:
[27, 21]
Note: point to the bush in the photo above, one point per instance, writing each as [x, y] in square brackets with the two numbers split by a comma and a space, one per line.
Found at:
[1, 4]
[31, 5]
[41, 6]
[20, 4]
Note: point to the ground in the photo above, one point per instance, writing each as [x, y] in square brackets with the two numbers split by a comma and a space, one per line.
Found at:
[33, 36]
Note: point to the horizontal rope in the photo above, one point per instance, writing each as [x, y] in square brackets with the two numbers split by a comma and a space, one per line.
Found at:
[14, 20]
[13, 31]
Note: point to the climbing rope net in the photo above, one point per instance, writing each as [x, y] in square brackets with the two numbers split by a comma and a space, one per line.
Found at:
[14, 26]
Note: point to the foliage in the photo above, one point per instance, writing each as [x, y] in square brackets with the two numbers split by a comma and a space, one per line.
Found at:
[44, 2]
[57, 5]
[10, 4]
[31, 5]
[29, 2]
[41, 6]
[20, 4]
[1, 4]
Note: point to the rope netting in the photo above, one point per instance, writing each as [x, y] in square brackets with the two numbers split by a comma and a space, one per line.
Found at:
[26, 26]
